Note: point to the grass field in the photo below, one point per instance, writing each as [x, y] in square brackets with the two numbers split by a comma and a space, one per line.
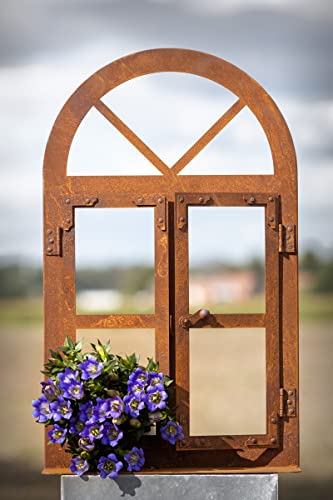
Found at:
[26, 312]
[22, 439]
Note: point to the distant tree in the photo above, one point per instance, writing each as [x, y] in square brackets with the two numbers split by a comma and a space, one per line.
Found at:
[325, 277]
[310, 261]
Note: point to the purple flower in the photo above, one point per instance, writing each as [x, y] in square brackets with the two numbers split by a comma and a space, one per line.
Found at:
[79, 466]
[137, 389]
[67, 377]
[86, 444]
[86, 411]
[172, 432]
[73, 390]
[138, 376]
[155, 398]
[50, 390]
[42, 409]
[57, 434]
[133, 405]
[117, 407]
[109, 466]
[61, 409]
[91, 368]
[102, 410]
[135, 459]
[76, 425]
[111, 434]
[93, 431]
[155, 379]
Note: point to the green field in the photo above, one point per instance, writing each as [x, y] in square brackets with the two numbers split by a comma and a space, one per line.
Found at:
[30, 311]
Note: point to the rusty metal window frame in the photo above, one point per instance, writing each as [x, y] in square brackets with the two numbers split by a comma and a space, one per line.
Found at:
[270, 320]
[278, 449]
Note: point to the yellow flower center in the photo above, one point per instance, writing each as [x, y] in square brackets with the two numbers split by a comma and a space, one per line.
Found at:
[109, 466]
[172, 430]
[134, 458]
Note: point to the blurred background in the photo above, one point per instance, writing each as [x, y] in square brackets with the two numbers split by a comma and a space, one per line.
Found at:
[48, 47]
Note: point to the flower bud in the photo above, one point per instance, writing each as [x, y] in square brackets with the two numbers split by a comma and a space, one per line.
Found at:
[155, 416]
[134, 422]
[120, 420]
[84, 455]
[112, 393]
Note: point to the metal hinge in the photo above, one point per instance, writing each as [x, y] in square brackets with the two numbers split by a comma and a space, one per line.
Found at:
[287, 238]
[287, 402]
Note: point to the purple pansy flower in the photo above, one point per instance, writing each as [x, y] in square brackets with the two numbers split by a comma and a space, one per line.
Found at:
[86, 411]
[78, 466]
[57, 434]
[135, 459]
[109, 466]
[111, 434]
[42, 410]
[67, 376]
[76, 425]
[172, 432]
[50, 390]
[133, 405]
[93, 431]
[91, 368]
[61, 409]
[155, 398]
[86, 443]
[73, 390]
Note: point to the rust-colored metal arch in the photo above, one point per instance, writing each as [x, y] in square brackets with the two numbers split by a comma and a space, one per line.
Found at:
[170, 194]
[249, 92]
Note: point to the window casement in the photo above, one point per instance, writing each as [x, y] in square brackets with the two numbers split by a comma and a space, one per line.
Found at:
[171, 196]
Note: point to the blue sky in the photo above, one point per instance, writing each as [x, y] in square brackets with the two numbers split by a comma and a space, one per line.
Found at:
[49, 47]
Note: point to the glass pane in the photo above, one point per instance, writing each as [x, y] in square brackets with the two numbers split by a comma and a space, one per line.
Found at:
[123, 341]
[227, 259]
[227, 381]
[114, 260]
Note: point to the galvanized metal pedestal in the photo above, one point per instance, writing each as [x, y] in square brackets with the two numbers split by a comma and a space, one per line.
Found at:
[175, 487]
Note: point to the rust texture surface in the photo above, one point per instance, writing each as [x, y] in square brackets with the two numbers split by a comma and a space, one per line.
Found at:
[170, 195]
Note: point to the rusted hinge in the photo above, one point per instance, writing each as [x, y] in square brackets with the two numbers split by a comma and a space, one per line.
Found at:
[287, 238]
[287, 402]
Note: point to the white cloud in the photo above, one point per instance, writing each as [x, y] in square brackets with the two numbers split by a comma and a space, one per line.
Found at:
[321, 8]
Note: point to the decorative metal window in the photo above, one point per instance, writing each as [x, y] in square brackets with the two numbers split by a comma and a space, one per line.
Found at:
[171, 195]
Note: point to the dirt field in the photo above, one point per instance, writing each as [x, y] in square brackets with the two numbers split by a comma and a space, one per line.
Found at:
[21, 441]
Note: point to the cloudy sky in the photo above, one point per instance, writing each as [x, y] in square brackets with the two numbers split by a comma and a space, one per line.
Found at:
[48, 47]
